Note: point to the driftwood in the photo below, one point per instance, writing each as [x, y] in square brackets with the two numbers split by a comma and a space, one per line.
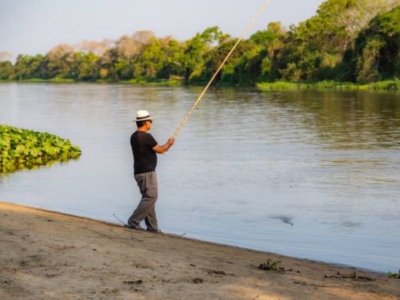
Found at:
[353, 276]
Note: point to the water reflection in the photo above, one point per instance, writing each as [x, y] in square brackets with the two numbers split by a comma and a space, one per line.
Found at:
[348, 120]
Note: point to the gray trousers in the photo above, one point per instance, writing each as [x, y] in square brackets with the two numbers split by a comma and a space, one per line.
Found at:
[148, 186]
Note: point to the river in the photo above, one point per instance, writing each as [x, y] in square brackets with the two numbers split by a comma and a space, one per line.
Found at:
[309, 174]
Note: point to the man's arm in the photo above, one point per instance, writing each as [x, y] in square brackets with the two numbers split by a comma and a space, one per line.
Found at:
[164, 148]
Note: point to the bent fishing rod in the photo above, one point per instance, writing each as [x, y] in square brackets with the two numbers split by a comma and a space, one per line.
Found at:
[220, 67]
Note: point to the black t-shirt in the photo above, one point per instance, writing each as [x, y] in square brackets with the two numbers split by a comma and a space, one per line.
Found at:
[144, 157]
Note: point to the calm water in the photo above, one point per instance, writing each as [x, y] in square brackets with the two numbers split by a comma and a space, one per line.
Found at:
[306, 174]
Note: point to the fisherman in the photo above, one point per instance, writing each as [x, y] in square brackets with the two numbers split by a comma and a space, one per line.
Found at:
[144, 150]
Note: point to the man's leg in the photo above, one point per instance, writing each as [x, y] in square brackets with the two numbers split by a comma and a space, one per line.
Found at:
[151, 220]
[147, 183]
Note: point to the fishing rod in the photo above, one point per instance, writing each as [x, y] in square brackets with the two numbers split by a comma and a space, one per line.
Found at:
[220, 67]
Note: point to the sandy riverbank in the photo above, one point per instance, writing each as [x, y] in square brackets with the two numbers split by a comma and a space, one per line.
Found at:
[46, 255]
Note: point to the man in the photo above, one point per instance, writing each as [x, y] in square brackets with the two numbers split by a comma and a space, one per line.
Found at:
[144, 150]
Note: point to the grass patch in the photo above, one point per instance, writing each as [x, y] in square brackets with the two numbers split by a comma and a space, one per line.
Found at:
[153, 81]
[278, 86]
[40, 80]
[393, 85]
[388, 85]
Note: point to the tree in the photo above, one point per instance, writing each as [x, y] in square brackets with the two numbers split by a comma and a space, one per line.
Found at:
[6, 70]
[151, 60]
[5, 56]
[117, 63]
[97, 48]
[174, 54]
[114, 66]
[128, 47]
[196, 48]
[59, 61]
[262, 64]
[214, 58]
[27, 67]
[377, 50]
[361, 12]
[249, 68]
[143, 36]
[85, 67]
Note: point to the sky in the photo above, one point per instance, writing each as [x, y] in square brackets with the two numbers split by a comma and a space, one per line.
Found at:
[36, 26]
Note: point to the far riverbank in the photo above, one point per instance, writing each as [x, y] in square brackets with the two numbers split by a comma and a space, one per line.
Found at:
[386, 85]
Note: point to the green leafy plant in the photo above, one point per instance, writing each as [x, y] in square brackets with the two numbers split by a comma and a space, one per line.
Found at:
[26, 149]
[271, 265]
[394, 275]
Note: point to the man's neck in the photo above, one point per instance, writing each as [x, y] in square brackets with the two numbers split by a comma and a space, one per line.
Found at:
[143, 128]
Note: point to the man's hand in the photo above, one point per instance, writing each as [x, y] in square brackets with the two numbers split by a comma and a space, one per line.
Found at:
[164, 148]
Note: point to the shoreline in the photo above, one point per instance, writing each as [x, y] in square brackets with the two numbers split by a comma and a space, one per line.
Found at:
[183, 236]
[388, 85]
[53, 255]
[119, 225]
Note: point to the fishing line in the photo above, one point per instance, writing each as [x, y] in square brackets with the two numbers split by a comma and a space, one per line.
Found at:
[220, 67]
[122, 222]
[266, 3]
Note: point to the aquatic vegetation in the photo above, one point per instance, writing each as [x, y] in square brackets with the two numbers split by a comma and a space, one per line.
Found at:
[393, 85]
[278, 86]
[389, 85]
[51, 80]
[26, 149]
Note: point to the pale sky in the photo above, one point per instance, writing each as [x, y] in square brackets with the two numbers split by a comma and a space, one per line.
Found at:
[35, 26]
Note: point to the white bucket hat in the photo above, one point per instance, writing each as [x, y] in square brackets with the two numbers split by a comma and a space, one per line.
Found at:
[142, 115]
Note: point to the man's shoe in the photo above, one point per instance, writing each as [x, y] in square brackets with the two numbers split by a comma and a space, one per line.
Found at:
[129, 226]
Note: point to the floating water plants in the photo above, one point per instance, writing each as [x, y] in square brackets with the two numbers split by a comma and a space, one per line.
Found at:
[26, 149]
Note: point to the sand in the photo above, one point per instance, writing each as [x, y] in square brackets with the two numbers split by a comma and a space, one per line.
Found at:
[48, 255]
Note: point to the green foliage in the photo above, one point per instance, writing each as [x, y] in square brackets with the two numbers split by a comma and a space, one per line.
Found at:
[264, 65]
[378, 48]
[314, 48]
[51, 80]
[368, 60]
[277, 86]
[346, 41]
[84, 67]
[22, 148]
[214, 58]
[117, 66]
[271, 265]
[249, 67]
[6, 70]
[151, 60]
[27, 67]
[194, 53]
[211, 35]
[388, 85]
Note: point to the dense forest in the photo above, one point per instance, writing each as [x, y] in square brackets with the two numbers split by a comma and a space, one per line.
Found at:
[354, 41]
